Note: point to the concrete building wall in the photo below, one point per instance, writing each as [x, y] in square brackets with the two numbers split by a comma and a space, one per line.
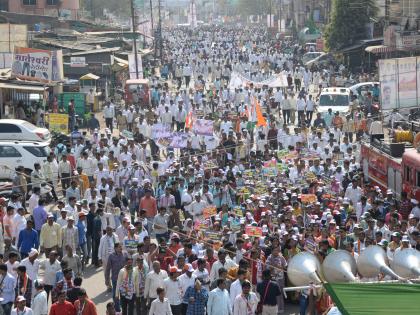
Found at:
[13, 35]
[41, 7]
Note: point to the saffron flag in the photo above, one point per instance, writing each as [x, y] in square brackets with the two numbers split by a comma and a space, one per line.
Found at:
[189, 121]
[260, 118]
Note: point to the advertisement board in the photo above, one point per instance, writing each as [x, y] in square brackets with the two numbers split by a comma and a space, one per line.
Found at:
[400, 82]
[132, 66]
[77, 62]
[58, 122]
[388, 80]
[32, 64]
[407, 82]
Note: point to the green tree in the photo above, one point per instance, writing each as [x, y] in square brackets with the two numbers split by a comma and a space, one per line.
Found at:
[348, 22]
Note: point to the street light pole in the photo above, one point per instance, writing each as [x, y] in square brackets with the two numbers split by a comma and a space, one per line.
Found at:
[134, 38]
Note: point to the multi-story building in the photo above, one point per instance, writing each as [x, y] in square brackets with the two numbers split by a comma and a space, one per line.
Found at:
[57, 8]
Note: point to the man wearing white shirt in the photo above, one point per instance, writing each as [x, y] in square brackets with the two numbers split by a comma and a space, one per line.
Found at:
[101, 173]
[50, 266]
[246, 302]
[222, 261]
[310, 107]
[197, 206]
[87, 164]
[174, 291]
[225, 125]
[362, 207]
[236, 286]
[109, 114]
[33, 200]
[160, 305]
[19, 221]
[186, 280]
[180, 117]
[154, 280]
[300, 106]
[354, 192]
[166, 117]
[32, 264]
[106, 246]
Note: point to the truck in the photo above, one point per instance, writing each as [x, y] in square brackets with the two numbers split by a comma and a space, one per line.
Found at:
[398, 172]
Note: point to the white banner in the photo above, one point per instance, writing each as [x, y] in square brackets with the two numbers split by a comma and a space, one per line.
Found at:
[238, 80]
[77, 62]
[132, 66]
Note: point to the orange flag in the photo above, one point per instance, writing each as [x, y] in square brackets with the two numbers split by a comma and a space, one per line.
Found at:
[260, 118]
[189, 121]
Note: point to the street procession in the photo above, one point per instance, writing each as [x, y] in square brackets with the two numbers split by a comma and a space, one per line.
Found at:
[215, 157]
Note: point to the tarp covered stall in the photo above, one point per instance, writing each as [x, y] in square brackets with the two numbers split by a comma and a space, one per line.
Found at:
[12, 92]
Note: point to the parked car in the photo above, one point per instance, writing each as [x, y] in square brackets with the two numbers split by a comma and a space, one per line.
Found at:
[25, 153]
[361, 89]
[16, 129]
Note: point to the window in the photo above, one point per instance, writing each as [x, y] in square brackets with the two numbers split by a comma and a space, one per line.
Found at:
[9, 152]
[29, 126]
[37, 151]
[29, 2]
[4, 5]
[52, 2]
[9, 128]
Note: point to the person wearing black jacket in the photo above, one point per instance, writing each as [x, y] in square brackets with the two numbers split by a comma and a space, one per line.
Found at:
[96, 236]
[89, 229]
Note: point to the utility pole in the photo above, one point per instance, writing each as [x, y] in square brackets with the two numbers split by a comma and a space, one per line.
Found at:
[151, 14]
[160, 32]
[133, 19]
[387, 11]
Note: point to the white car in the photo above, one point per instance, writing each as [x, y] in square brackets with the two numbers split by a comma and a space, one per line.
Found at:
[361, 89]
[336, 98]
[17, 153]
[16, 129]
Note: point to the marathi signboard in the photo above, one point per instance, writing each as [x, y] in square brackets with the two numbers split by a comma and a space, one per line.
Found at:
[32, 64]
[77, 62]
[58, 122]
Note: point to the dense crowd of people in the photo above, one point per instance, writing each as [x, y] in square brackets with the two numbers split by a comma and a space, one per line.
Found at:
[206, 226]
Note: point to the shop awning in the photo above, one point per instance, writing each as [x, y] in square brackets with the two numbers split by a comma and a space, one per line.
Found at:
[89, 76]
[379, 49]
[375, 298]
[14, 86]
[350, 48]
